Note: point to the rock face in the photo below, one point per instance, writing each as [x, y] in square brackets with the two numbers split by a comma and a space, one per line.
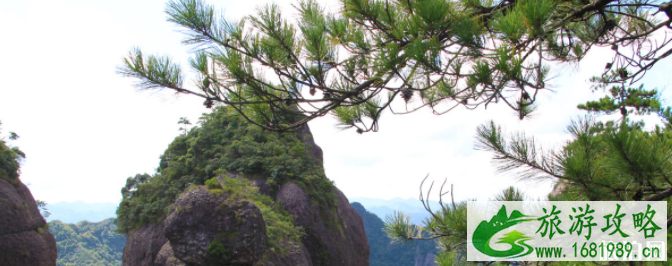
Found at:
[203, 223]
[296, 255]
[24, 237]
[333, 238]
[143, 245]
[166, 257]
[209, 230]
[185, 237]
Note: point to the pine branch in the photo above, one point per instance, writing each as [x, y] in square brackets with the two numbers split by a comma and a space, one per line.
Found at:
[661, 196]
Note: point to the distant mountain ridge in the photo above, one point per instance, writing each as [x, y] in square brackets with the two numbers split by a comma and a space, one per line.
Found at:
[74, 212]
[412, 207]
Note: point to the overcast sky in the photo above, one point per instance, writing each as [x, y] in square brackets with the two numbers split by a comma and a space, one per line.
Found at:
[85, 129]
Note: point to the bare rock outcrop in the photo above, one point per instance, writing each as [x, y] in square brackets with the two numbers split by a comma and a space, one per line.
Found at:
[166, 257]
[209, 229]
[297, 254]
[205, 229]
[143, 245]
[24, 237]
[332, 238]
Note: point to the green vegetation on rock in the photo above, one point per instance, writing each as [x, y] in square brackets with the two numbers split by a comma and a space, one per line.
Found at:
[223, 144]
[279, 227]
[10, 157]
[216, 248]
[87, 243]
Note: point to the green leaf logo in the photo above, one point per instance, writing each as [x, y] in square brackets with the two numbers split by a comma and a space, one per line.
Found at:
[485, 231]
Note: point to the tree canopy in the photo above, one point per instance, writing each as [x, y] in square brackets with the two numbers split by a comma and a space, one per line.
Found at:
[224, 145]
[614, 161]
[440, 54]
[87, 243]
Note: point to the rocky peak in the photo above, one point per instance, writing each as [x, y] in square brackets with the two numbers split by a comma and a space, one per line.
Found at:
[24, 236]
[209, 223]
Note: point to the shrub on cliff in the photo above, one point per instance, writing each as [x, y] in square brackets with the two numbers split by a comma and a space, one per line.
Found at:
[9, 161]
[279, 227]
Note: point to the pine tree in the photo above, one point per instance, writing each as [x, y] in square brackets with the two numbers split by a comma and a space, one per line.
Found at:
[613, 161]
[185, 125]
[440, 54]
[616, 160]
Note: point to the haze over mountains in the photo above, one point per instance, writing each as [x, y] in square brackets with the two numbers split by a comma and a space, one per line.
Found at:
[74, 212]
[412, 207]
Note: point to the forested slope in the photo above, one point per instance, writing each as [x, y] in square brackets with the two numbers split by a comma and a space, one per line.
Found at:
[88, 243]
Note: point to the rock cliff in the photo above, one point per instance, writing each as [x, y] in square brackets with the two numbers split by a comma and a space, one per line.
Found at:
[332, 238]
[186, 237]
[206, 229]
[215, 219]
[24, 236]
[144, 245]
